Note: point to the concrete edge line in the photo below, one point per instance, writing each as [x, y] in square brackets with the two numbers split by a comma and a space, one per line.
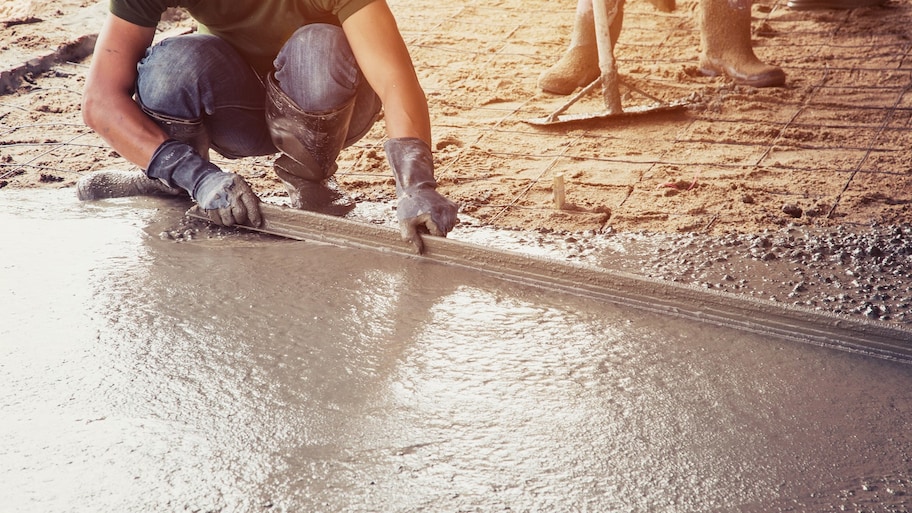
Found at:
[788, 322]
[79, 31]
[12, 78]
[71, 51]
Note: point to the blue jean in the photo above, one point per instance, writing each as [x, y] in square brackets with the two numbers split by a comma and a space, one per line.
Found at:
[200, 79]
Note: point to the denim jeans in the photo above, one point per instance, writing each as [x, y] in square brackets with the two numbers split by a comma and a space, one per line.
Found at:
[200, 79]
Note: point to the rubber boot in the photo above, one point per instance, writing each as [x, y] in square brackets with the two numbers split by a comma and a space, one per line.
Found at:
[310, 144]
[725, 32]
[120, 184]
[579, 65]
[113, 183]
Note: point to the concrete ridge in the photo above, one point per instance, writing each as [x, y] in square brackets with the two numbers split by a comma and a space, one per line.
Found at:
[79, 32]
[80, 48]
[788, 322]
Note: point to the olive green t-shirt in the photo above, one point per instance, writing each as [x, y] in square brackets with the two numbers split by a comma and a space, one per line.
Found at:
[256, 28]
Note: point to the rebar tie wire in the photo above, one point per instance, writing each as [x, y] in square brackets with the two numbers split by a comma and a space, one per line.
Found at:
[870, 148]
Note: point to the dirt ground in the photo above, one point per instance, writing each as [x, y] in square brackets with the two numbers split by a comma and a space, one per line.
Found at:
[834, 144]
[766, 170]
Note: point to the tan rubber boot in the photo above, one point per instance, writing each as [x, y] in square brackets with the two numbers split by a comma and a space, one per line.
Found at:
[579, 65]
[726, 35]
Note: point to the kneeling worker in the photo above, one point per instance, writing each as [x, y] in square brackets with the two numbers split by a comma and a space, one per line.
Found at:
[304, 78]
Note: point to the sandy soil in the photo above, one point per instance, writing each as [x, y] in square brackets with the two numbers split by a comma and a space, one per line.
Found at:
[842, 121]
[759, 168]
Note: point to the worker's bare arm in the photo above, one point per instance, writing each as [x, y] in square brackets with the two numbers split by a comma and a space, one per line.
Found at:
[108, 106]
[384, 59]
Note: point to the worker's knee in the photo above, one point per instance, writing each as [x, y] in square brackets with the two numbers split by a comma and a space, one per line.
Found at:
[317, 69]
[178, 75]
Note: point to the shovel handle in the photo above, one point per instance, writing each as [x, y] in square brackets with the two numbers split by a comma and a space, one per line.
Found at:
[604, 12]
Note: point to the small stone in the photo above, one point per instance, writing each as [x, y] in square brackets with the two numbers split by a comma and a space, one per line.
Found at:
[792, 210]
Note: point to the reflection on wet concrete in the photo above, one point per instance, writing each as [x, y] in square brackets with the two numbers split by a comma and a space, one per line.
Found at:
[235, 372]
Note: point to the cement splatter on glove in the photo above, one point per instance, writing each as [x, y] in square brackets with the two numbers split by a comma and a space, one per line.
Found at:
[225, 197]
[421, 208]
[228, 200]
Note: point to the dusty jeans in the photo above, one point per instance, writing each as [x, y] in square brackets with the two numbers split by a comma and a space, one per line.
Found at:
[200, 80]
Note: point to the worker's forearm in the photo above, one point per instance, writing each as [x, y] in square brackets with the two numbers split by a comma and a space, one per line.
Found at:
[406, 115]
[123, 125]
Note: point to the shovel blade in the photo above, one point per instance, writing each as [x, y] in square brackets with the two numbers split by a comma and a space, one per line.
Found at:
[638, 110]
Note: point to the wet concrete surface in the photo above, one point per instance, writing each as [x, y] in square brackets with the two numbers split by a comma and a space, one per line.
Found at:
[148, 365]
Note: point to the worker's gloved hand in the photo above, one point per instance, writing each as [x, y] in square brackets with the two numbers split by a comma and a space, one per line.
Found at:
[228, 200]
[421, 208]
[225, 197]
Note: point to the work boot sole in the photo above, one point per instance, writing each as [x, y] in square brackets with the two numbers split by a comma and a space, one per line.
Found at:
[772, 77]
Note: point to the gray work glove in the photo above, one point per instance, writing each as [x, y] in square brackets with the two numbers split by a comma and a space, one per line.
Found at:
[225, 197]
[421, 208]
